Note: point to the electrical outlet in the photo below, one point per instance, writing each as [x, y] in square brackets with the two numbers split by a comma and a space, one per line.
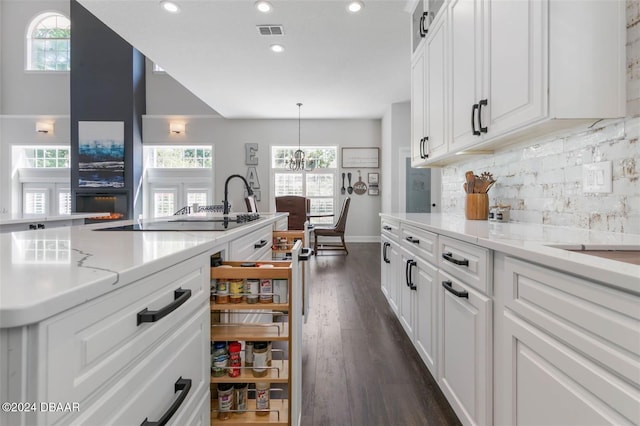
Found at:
[597, 178]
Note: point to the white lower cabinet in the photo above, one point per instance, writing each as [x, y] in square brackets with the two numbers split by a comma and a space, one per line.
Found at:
[425, 278]
[406, 294]
[168, 384]
[568, 348]
[389, 271]
[465, 372]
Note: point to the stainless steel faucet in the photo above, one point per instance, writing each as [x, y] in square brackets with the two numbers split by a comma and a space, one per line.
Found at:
[226, 191]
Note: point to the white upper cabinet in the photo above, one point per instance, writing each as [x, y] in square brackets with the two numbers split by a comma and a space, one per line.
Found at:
[429, 96]
[520, 69]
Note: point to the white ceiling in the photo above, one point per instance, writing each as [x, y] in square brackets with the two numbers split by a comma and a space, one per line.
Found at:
[338, 64]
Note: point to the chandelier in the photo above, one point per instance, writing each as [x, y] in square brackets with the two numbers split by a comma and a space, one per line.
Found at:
[297, 161]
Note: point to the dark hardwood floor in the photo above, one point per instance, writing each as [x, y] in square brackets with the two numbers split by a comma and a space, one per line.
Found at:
[359, 367]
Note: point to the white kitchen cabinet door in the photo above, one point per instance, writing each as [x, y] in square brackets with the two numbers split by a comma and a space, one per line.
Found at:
[465, 349]
[425, 277]
[549, 382]
[418, 108]
[465, 32]
[515, 47]
[406, 296]
[389, 277]
[436, 126]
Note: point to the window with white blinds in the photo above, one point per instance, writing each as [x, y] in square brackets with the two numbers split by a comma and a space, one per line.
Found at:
[317, 182]
[176, 177]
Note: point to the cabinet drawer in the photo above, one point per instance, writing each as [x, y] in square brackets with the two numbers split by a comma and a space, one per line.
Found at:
[390, 228]
[150, 388]
[90, 346]
[469, 263]
[601, 322]
[420, 242]
[252, 246]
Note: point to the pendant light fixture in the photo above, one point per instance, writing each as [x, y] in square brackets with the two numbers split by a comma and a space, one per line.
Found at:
[296, 162]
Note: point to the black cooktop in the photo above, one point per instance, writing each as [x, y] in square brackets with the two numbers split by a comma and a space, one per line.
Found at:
[188, 224]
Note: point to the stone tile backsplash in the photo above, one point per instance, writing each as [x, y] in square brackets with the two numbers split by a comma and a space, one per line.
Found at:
[542, 178]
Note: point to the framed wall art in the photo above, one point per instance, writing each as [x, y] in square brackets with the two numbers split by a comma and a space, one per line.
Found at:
[360, 158]
[101, 154]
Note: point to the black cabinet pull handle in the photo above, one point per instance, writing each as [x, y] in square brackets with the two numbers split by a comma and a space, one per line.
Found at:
[32, 226]
[473, 119]
[412, 240]
[406, 273]
[180, 296]
[41, 226]
[182, 385]
[448, 285]
[384, 252]
[261, 244]
[387, 228]
[482, 103]
[411, 264]
[424, 29]
[449, 258]
[305, 254]
[423, 148]
[421, 29]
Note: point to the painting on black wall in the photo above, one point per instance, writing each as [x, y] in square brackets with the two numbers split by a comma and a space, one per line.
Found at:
[101, 154]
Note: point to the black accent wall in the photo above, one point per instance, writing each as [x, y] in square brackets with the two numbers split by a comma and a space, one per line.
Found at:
[107, 84]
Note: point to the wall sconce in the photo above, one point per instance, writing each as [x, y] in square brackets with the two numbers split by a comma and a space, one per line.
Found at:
[43, 127]
[177, 128]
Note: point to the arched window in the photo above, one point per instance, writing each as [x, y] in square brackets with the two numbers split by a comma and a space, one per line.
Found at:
[48, 43]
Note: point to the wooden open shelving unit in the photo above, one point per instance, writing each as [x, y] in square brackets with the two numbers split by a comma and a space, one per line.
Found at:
[281, 369]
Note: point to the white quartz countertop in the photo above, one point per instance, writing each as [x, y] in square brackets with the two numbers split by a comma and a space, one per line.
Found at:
[6, 219]
[47, 271]
[535, 243]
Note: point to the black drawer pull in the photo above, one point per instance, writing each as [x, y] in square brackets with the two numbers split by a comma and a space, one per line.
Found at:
[261, 244]
[180, 296]
[183, 385]
[387, 228]
[448, 285]
[449, 258]
[412, 240]
[305, 254]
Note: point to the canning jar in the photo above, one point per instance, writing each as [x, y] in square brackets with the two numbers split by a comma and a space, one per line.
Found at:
[240, 397]
[234, 359]
[236, 288]
[225, 400]
[259, 359]
[219, 359]
[262, 399]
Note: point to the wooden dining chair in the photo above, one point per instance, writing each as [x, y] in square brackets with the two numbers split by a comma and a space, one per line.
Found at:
[296, 206]
[335, 231]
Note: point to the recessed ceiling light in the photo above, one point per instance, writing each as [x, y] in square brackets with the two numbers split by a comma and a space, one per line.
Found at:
[278, 48]
[170, 6]
[263, 6]
[355, 6]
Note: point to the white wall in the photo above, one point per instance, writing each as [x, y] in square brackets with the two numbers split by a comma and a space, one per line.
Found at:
[229, 137]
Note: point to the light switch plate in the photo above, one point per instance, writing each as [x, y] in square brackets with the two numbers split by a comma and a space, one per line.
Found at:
[597, 178]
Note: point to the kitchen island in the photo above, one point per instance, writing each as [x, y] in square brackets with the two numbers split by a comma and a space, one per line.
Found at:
[69, 298]
[519, 323]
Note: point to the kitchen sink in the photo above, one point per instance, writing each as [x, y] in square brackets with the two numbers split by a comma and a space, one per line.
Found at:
[630, 254]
